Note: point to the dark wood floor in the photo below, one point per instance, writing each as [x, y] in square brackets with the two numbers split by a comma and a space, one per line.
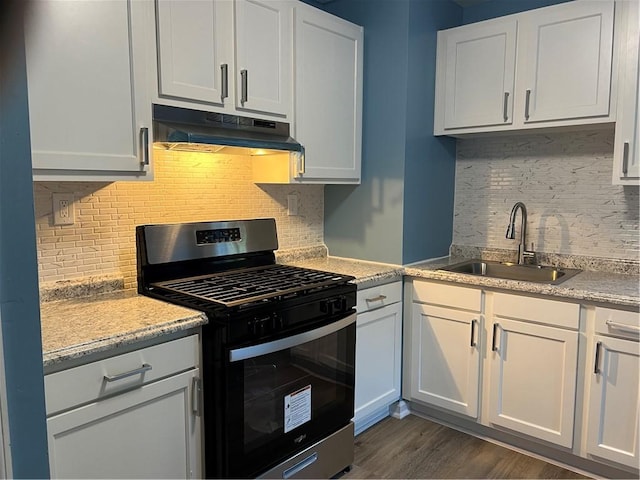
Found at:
[418, 448]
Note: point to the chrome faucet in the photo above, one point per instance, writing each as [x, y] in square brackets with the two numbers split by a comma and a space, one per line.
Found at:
[511, 232]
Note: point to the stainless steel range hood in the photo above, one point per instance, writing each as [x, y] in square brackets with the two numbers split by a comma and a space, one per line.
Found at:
[197, 131]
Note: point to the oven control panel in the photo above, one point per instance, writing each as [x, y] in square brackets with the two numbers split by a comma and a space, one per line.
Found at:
[219, 235]
[275, 322]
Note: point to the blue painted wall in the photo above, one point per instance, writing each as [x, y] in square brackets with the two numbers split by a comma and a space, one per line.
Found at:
[429, 176]
[19, 299]
[366, 221]
[403, 210]
[499, 8]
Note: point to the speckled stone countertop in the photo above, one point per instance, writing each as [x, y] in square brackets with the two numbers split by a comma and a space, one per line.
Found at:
[76, 327]
[94, 315]
[367, 274]
[617, 289]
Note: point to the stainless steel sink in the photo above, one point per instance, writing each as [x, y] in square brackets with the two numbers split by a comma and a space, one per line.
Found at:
[513, 271]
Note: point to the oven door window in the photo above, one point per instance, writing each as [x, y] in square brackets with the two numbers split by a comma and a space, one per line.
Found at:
[281, 401]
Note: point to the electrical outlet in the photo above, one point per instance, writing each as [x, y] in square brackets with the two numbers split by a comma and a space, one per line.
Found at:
[63, 211]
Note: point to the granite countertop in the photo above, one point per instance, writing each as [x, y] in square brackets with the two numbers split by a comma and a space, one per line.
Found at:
[617, 289]
[367, 274]
[75, 327]
[94, 315]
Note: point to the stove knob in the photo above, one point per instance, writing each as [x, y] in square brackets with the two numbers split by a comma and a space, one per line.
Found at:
[325, 306]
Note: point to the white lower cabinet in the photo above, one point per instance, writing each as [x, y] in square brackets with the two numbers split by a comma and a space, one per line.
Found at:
[131, 416]
[378, 353]
[614, 392]
[563, 377]
[533, 367]
[445, 348]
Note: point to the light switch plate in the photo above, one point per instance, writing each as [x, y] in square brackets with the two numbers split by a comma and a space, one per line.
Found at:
[292, 204]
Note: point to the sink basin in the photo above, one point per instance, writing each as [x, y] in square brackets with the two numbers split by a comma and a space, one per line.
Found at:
[513, 271]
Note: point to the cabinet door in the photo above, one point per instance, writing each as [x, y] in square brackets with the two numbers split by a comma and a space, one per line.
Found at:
[565, 59]
[378, 359]
[626, 149]
[148, 432]
[446, 358]
[533, 380]
[479, 66]
[89, 96]
[263, 55]
[614, 401]
[328, 93]
[194, 49]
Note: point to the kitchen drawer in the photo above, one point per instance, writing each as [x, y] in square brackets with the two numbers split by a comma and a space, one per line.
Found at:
[621, 323]
[379, 296]
[86, 383]
[447, 295]
[538, 310]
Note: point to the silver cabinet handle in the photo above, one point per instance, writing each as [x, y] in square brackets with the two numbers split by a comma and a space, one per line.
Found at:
[625, 158]
[473, 332]
[137, 371]
[379, 298]
[622, 327]
[596, 368]
[301, 163]
[195, 398]
[224, 71]
[527, 101]
[144, 146]
[495, 334]
[505, 106]
[244, 86]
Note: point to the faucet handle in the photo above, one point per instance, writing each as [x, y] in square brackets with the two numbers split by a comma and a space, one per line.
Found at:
[529, 254]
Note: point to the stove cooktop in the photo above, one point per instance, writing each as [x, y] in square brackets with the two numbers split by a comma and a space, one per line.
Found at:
[250, 285]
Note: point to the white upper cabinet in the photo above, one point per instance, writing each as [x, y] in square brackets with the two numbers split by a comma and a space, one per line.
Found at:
[263, 49]
[561, 60]
[226, 56]
[626, 150]
[194, 50]
[328, 95]
[328, 72]
[479, 68]
[565, 61]
[89, 95]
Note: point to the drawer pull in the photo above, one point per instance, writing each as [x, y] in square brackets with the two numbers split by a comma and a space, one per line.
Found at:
[379, 298]
[138, 371]
[622, 327]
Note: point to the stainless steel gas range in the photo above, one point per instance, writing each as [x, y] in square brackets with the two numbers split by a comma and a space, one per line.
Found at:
[278, 353]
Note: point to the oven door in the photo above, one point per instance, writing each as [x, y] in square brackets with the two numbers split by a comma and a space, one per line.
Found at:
[287, 394]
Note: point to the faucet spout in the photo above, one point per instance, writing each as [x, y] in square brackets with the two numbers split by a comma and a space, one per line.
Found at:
[511, 231]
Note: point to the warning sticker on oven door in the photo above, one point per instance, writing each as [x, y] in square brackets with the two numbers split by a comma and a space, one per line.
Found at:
[297, 408]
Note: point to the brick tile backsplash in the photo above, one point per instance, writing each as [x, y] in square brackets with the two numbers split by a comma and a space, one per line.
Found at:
[187, 187]
[564, 179]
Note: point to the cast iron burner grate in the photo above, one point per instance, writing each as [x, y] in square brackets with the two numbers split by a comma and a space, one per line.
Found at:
[240, 287]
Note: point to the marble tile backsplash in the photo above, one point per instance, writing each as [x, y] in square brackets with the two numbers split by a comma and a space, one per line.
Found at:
[564, 179]
[187, 188]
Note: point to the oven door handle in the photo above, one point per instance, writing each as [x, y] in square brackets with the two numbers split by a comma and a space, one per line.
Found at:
[288, 342]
